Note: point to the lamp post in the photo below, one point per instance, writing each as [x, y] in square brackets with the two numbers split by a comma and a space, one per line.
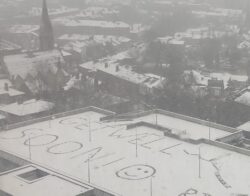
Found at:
[199, 157]
[90, 136]
[29, 148]
[136, 142]
[209, 129]
[151, 185]
[89, 169]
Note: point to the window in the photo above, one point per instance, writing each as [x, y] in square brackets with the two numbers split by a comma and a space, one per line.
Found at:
[33, 175]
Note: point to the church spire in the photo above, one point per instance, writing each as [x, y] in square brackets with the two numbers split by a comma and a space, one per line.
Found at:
[46, 30]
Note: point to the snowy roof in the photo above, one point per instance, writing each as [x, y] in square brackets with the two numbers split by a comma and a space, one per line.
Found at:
[37, 11]
[24, 64]
[171, 165]
[97, 38]
[48, 185]
[11, 92]
[225, 77]
[244, 98]
[27, 108]
[95, 12]
[23, 28]
[91, 23]
[171, 40]
[245, 126]
[6, 45]
[124, 72]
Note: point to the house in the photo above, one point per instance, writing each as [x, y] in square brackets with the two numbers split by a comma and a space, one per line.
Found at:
[8, 94]
[37, 71]
[121, 80]
[20, 111]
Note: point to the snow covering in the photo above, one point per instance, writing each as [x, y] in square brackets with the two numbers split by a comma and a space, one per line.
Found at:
[245, 126]
[90, 23]
[124, 72]
[244, 98]
[11, 92]
[97, 38]
[23, 28]
[49, 185]
[7, 46]
[35, 11]
[95, 12]
[168, 166]
[23, 64]
[225, 77]
[27, 108]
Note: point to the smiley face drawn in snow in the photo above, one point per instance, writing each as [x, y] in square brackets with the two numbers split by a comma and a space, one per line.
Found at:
[136, 172]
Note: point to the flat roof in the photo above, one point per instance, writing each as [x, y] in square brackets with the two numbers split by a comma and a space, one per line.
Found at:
[72, 144]
[48, 185]
[27, 108]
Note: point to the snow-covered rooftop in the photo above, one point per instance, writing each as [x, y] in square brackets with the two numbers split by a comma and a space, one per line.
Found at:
[167, 165]
[6, 45]
[48, 185]
[225, 77]
[37, 11]
[11, 91]
[27, 108]
[23, 28]
[123, 72]
[90, 23]
[245, 126]
[244, 98]
[24, 64]
[97, 38]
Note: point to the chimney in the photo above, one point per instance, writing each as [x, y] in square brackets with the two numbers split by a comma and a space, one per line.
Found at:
[6, 86]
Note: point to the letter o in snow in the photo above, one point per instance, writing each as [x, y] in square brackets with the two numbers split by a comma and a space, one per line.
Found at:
[41, 140]
[65, 147]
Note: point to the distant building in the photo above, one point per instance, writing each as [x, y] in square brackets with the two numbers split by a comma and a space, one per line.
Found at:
[8, 94]
[36, 72]
[90, 27]
[26, 110]
[7, 47]
[121, 80]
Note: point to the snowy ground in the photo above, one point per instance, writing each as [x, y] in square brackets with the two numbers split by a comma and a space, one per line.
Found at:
[132, 162]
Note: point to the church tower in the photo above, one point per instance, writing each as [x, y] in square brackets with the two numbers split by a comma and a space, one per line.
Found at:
[46, 36]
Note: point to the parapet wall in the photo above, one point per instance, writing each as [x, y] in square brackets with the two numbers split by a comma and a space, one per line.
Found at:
[59, 115]
[171, 114]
